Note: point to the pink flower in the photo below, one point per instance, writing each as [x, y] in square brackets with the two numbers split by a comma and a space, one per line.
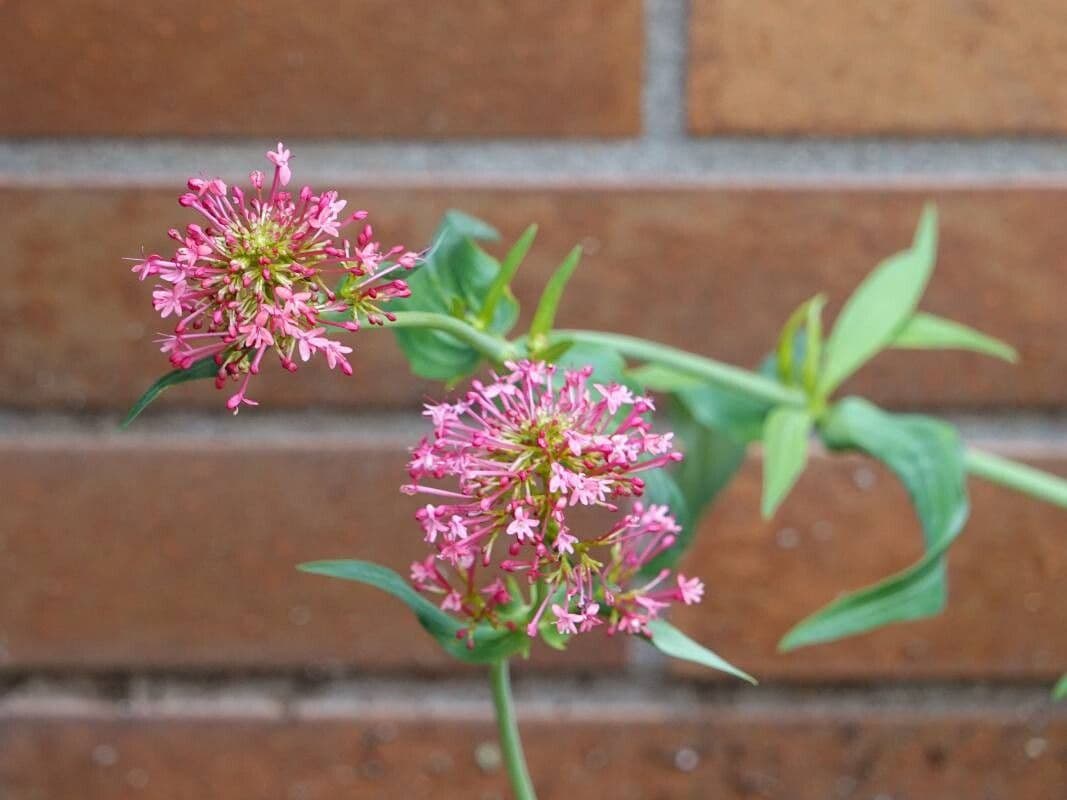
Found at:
[690, 589]
[616, 396]
[519, 451]
[523, 526]
[280, 159]
[169, 300]
[565, 620]
[565, 542]
[268, 272]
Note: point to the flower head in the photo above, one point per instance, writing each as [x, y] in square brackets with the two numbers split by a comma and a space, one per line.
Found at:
[519, 453]
[268, 272]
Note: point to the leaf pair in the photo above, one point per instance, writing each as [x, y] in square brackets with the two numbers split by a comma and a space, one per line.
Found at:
[880, 314]
[494, 645]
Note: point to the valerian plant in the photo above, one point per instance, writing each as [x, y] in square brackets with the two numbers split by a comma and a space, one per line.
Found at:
[556, 419]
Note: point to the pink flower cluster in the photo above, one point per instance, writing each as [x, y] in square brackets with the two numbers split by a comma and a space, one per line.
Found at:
[523, 451]
[269, 271]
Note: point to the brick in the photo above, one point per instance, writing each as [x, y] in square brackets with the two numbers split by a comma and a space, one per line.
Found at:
[369, 68]
[869, 68]
[149, 552]
[661, 753]
[848, 524]
[183, 554]
[687, 266]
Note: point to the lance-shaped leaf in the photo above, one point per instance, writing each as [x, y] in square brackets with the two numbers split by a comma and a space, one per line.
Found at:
[927, 456]
[456, 277]
[880, 306]
[799, 364]
[930, 332]
[672, 642]
[501, 284]
[204, 368]
[489, 644]
[785, 453]
[545, 315]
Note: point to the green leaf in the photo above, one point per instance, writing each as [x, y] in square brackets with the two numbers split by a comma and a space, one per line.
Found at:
[813, 343]
[512, 261]
[927, 456]
[719, 409]
[489, 644]
[455, 277]
[1059, 691]
[877, 310]
[204, 368]
[608, 366]
[785, 453]
[930, 332]
[663, 490]
[808, 314]
[672, 642]
[545, 316]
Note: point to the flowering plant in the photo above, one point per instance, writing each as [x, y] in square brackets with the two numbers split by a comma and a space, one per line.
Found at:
[553, 505]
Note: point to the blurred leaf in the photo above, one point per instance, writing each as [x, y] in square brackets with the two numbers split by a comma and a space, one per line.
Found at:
[809, 315]
[608, 366]
[204, 368]
[929, 332]
[489, 644]
[659, 378]
[927, 456]
[880, 306]
[720, 409]
[545, 315]
[500, 286]
[813, 340]
[785, 453]
[672, 642]
[455, 278]
[551, 636]
[554, 352]
[712, 458]
[1059, 691]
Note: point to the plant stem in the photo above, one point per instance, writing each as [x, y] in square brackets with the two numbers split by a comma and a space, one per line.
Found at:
[492, 347]
[1017, 476]
[725, 375]
[508, 725]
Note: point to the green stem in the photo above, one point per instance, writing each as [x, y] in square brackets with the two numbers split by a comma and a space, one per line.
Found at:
[1017, 476]
[508, 725]
[725, 375]
[492, 347]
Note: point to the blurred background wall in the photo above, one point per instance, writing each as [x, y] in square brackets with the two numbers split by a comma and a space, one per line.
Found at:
[721, 161]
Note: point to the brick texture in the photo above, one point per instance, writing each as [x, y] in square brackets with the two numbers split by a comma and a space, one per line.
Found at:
[703, 753]
[869, 67]
[365, 68]
[1001, 269]
[142, 553]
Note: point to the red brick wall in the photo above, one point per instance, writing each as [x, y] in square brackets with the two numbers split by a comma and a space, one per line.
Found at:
[155, 640]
